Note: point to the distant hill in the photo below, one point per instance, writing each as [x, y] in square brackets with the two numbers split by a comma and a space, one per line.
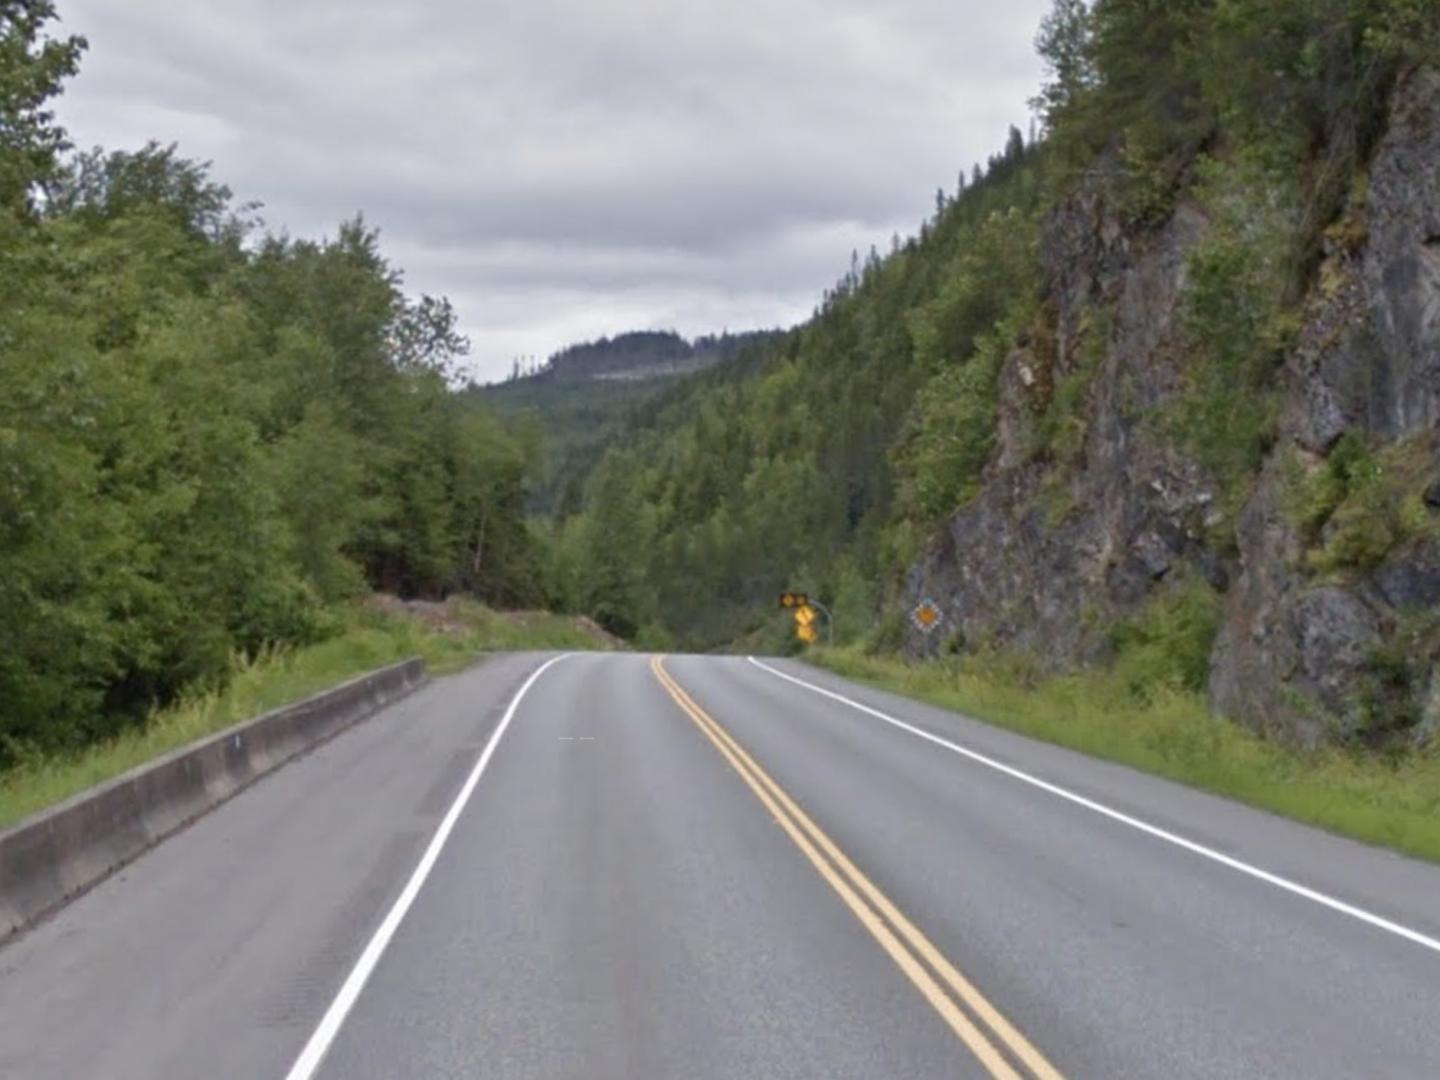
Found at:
[633, 357]
[585, 393]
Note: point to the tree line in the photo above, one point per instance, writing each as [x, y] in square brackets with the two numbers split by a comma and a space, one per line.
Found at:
[209, 434]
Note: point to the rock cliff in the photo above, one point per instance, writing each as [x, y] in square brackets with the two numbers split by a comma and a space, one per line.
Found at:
[1319, 653]
[1324, 566]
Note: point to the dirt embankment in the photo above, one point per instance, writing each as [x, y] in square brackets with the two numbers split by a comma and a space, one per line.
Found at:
[458, 615]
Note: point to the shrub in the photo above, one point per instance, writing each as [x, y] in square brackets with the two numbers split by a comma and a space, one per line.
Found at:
[1361, 504]
[1167, 645]
[941, 457]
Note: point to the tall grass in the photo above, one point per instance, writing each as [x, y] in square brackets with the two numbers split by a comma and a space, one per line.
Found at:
[1391, 800]
[368, 640]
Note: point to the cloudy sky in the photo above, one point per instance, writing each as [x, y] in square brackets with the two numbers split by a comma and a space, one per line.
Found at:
[563, 169]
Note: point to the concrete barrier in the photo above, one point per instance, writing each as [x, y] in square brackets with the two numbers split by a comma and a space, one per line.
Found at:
[53, 856]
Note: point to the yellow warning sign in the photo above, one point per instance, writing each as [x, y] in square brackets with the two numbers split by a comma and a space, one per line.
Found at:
[926, 616]
[806, 612]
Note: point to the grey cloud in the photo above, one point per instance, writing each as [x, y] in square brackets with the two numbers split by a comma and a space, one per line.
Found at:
[774, 264]
[561, 167]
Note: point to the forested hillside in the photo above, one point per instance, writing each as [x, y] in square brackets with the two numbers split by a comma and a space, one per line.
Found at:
[1155, 394]
[783, 469]
[586, 394]
[208, 434]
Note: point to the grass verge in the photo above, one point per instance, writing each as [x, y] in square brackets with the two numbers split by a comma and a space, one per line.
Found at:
[368, 639]
[1393, 801]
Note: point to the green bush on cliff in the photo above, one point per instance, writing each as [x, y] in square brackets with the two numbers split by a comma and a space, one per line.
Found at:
[1167, 644]
[938, 462]
[1359, 505]
[1060, 430]
[1236, 327]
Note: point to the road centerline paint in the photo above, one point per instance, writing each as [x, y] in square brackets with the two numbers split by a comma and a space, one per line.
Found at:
[847, 880]
[321, 1039]
[965, 990]
[1239, 865]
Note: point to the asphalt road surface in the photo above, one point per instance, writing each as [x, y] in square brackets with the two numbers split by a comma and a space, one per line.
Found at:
[608, 866]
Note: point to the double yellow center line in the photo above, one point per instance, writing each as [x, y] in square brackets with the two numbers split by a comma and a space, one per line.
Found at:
[976, 1022]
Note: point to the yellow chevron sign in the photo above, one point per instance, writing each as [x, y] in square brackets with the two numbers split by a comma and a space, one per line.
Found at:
[799, 605]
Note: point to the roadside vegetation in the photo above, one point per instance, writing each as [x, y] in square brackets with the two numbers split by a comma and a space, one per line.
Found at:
[211, 434]
[1387, 799]
[448, 636]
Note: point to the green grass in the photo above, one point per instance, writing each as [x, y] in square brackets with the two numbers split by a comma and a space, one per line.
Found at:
[369, 639]
[1388, 800]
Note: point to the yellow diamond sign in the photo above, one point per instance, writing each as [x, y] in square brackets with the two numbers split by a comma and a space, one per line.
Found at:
[806, 633]
[926, 616]
[804, 616]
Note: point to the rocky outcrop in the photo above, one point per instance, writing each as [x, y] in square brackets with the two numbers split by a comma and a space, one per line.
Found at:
[1053, 552]
[1297, 652]
[1369, 360]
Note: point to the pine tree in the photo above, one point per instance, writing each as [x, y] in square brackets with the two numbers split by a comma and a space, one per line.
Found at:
[1064, 44]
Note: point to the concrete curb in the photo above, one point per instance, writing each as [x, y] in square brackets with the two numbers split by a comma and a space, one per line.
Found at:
[55, 855]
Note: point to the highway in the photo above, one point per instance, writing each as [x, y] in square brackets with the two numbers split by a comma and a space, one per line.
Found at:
[624, 866]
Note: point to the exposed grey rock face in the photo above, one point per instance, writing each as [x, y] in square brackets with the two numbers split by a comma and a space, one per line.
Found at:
[1256, 647]
[1293, 657]
[1401, 268]
[1370, 358]
[1335, 632]
[1410, 579]
[1046, 558]
[1429, 727]
[1046, 570]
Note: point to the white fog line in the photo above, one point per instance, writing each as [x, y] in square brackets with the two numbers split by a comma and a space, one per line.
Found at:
[309, 1060]
[1220, 857]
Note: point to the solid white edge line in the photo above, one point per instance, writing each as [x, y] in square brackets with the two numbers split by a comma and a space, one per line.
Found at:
[310, 1057]
[1125, 819]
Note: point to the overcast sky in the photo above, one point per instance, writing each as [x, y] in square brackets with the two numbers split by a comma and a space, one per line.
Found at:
[563, 169]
